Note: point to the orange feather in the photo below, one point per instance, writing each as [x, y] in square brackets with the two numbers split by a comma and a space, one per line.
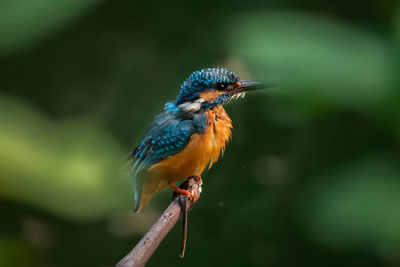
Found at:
[202, 149]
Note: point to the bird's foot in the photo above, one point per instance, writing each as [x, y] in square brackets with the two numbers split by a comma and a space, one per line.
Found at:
[198, 177]
[181, 191]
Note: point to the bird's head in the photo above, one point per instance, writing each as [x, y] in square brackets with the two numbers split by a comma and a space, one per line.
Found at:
[211, 87]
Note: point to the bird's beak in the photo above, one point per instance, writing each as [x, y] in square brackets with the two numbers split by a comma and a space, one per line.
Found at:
[244, 86]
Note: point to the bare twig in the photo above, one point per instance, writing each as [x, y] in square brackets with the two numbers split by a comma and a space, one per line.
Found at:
[184, 207]
[152, 239]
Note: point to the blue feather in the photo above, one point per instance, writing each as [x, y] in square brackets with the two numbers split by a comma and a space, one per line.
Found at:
[168, 135]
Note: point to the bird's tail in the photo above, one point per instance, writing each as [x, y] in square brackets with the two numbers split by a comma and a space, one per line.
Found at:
[145, 185]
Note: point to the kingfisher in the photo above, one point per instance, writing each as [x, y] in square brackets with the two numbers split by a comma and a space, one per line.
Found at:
[189, 135]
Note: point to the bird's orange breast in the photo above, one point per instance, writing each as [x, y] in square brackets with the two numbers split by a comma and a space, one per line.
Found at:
[202, 149]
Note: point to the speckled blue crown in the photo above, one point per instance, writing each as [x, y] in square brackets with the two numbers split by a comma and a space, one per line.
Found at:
[202, 80]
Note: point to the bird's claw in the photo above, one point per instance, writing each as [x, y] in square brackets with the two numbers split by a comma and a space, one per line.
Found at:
[186, 187]
[181, 191]
[197, 179]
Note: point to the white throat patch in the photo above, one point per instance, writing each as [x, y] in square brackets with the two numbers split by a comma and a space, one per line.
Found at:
[192, 106]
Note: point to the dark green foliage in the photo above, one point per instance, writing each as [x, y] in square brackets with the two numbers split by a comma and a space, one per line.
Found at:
[311, 177]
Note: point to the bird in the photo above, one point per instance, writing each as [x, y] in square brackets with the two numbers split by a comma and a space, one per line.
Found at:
[189, 135]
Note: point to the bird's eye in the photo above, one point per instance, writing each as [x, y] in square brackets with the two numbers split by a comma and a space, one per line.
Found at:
[220, 87]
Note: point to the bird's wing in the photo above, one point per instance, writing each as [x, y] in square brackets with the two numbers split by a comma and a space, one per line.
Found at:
[166, 136]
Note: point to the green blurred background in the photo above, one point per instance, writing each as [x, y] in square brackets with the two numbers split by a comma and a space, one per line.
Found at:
[311, 178]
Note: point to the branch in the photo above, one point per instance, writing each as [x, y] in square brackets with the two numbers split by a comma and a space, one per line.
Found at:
[152, 239]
